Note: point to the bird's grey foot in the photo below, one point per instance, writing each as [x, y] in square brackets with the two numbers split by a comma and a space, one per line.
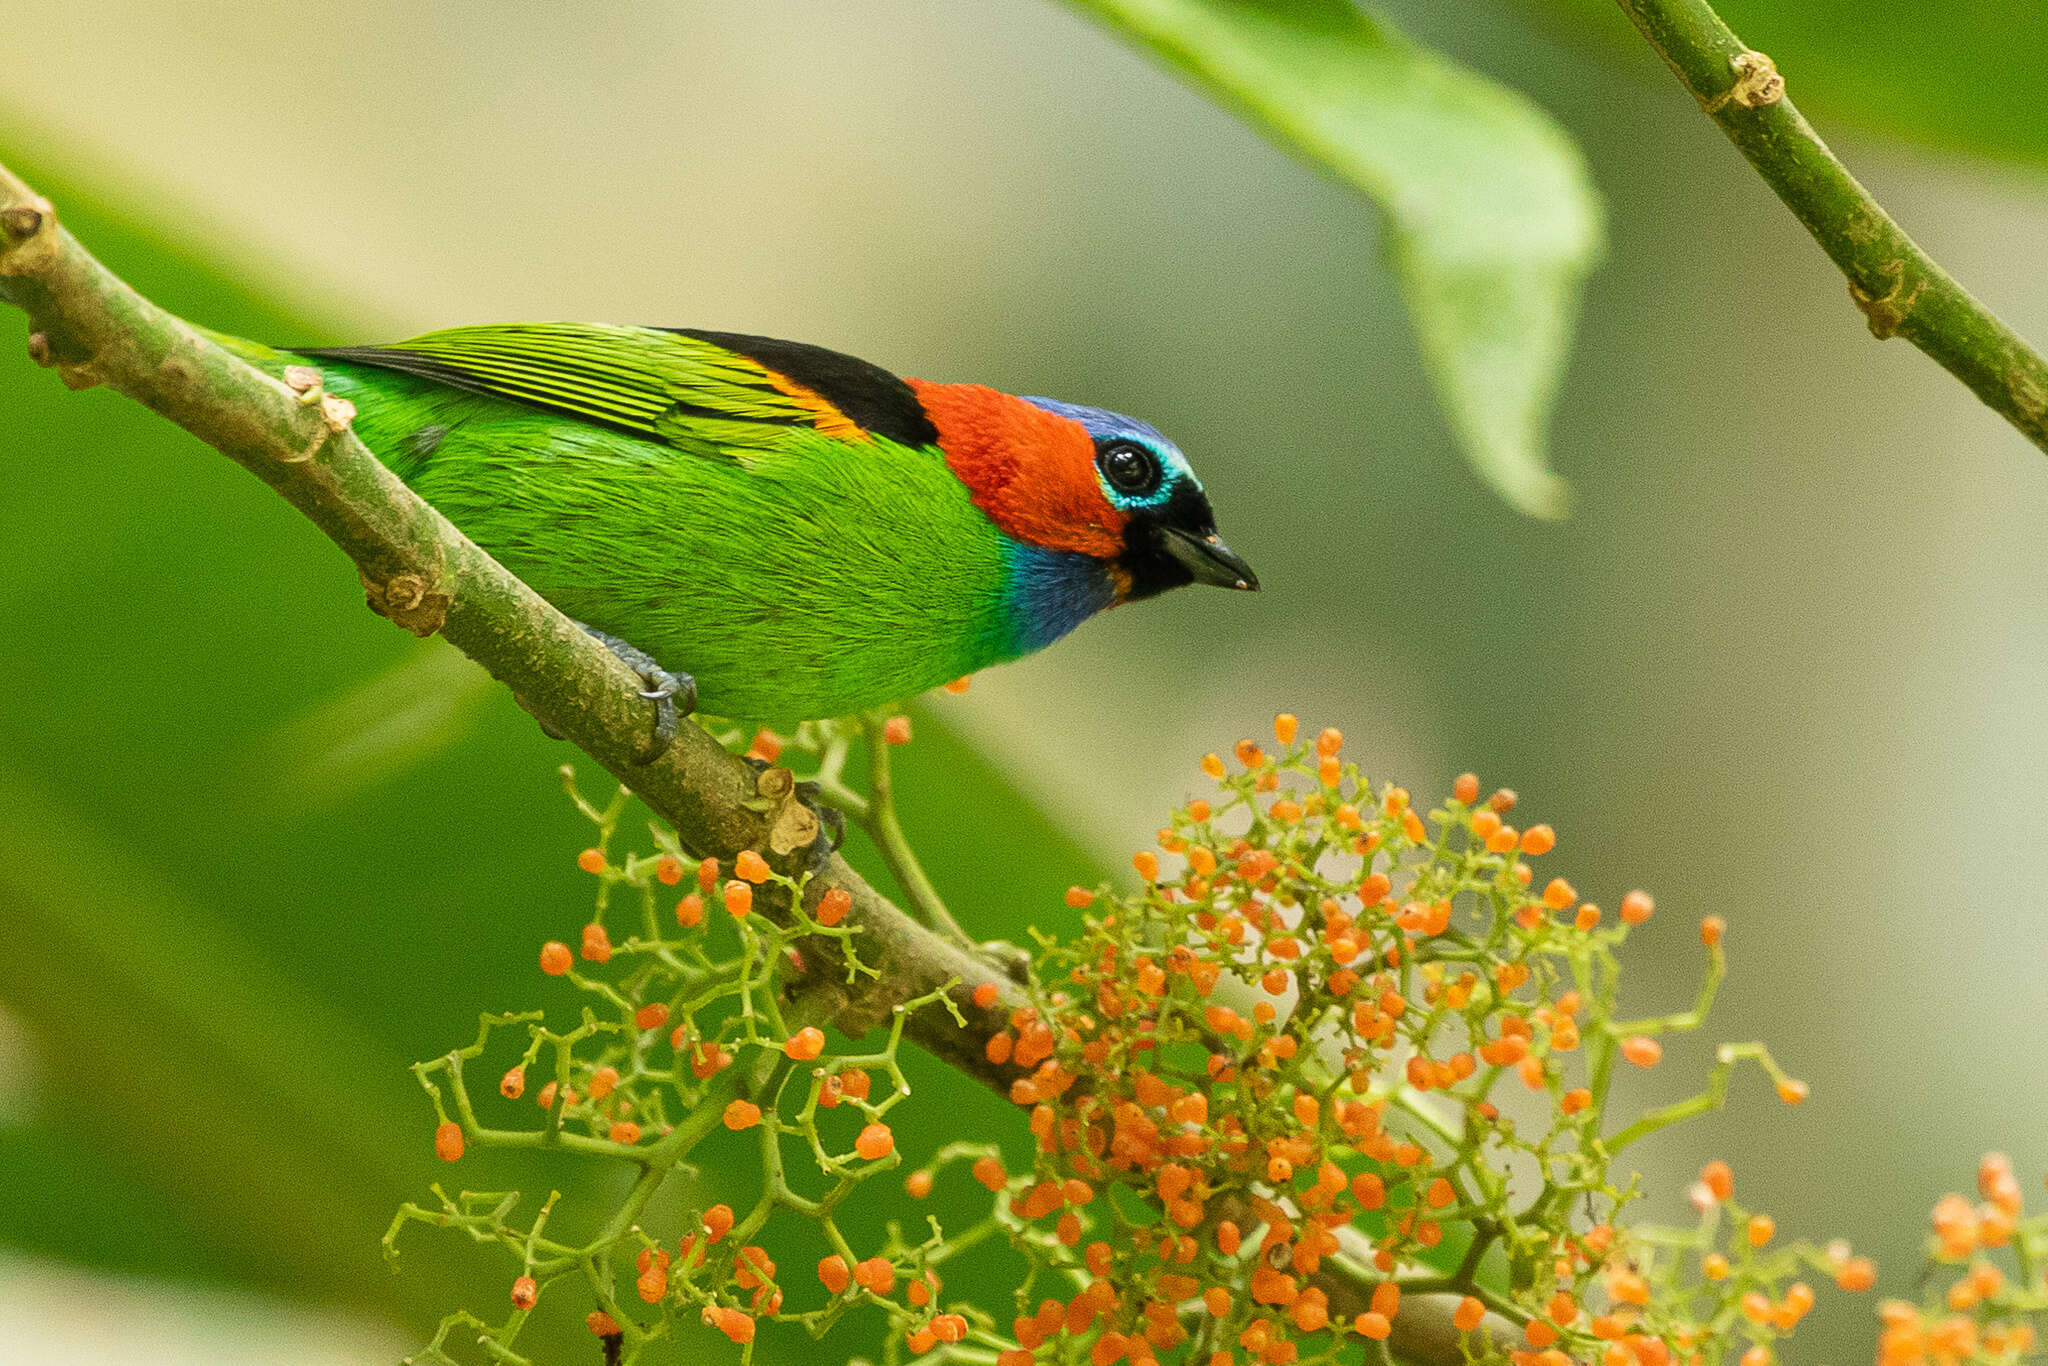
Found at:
[673, 694]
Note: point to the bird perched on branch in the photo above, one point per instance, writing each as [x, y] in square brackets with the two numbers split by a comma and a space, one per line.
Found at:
[805, 534]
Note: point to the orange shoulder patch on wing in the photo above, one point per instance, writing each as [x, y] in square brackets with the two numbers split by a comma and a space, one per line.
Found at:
[824, 416]
[1030, 471]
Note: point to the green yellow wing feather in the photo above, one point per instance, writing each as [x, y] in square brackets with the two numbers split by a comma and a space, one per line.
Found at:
[676, 387]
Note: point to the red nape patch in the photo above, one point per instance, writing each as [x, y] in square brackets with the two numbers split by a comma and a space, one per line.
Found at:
[1032, 472]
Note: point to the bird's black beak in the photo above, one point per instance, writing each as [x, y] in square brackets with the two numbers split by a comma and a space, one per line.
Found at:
[1208, 559]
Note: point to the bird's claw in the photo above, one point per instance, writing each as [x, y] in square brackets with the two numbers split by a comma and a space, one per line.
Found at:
[674, 694]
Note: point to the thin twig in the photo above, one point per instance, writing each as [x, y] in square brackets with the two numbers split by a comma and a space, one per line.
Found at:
[1901, 291]
[880, 821]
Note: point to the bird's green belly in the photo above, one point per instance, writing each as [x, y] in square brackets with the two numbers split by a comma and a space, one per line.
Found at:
[816, 579]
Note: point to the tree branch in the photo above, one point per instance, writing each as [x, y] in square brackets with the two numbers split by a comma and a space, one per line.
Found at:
[1899, 288]
[424, 574]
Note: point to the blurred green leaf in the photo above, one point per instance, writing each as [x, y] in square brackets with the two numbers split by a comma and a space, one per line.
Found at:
[1492, 219]
[1937, 72]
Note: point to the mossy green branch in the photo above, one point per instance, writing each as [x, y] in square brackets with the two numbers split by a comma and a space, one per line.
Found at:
[1901, 291]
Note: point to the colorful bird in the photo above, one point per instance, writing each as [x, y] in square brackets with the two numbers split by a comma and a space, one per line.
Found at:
[805, 533]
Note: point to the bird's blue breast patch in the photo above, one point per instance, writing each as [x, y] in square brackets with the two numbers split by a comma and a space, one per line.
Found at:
[1052, 592]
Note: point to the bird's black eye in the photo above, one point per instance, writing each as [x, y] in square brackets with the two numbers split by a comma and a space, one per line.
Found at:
[1129, 468]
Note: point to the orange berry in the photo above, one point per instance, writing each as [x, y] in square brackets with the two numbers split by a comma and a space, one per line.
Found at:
[877, 1275]
[555, 958]
[1642, 1050]
[804, 1045]
[750, 866]
[1711, 930]
[513, 1084]
[1717, 1176]
[591, 861]
[525, 1293]
[1714, 1267]
[690, 911]
[624, 1131]
[739, 897]
[1559, 894]
[652, 1016]
[1858, 1273]
[959, 685]
[918, 1185]
[597, 945]
[875, 1142]
[897, 730]
[1147, 864]
[448, 1141]
[718, 1221]
[1761, 1227]
[1212, 764]
[1792, 1092]
[1541, 1333]
[833, 906]
[1636, 907]
[1538, 839]
[1374, 1326]
[1626, 1287]
[1078, 897]
[1285, 726]
[834, 1273]
[731, 1322]
[989, 1172]
[1466, 788]
[742, 1114]
[1386, 1299]
[985, 995]
[1575, 1100]
[1440, 1193]
[1469, 1314]
[601, 1323]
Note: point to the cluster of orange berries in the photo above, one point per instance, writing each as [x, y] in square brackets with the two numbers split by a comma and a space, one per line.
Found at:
[1974, 1310]
[1298, 1037]
[679, 1007]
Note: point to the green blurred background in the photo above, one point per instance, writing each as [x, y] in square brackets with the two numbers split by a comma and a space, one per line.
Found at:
[1787, 663]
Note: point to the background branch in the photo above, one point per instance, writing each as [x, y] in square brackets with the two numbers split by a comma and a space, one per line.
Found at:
[1900, 289]
[424, 574]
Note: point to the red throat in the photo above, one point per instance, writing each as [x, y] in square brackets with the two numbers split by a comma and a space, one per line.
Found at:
[1031, 472]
